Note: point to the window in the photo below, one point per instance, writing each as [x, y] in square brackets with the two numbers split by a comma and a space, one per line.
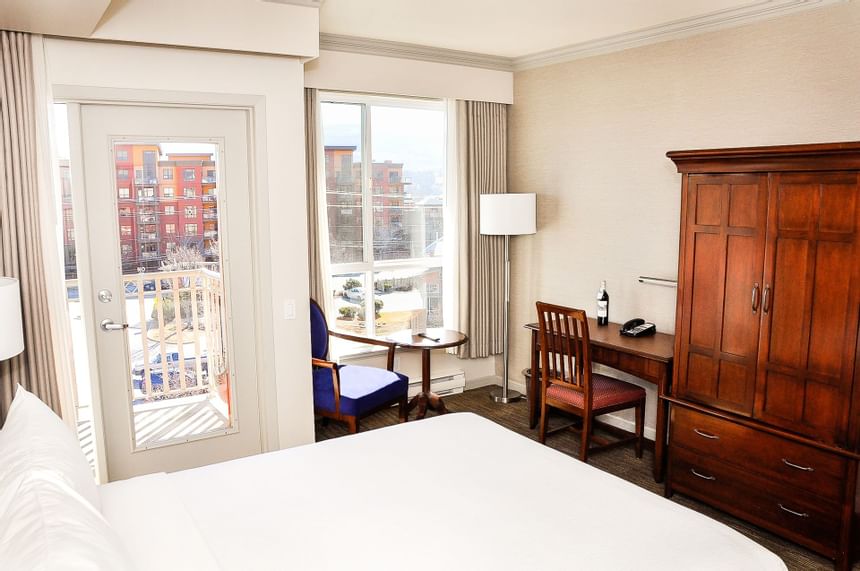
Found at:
[188, 192]
[170, 228]
[191, 212]
[191, 229]
[121, 155]
[123, 192]
[188, 174]
[122, 173]
[169, 210]
[167, 174]
[125, 231]
[386, 231]
[168, 192]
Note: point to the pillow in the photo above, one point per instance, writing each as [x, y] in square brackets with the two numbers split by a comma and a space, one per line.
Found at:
[34, 438]
[48, 526]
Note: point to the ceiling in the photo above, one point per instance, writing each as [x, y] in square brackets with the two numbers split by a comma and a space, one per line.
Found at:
[515, 29]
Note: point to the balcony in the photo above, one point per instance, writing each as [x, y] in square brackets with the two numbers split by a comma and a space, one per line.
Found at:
[210, 234]
[208, 180]
[147, 218]
[210, 215]
[147, 237]
[147, 199]
[149, 255]
[187, 398]
[209, 198]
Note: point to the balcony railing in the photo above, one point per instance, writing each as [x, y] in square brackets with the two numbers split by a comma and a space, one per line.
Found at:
[148, 218]
[147, 199]
[210, 215]
[147, 237]
[149, 255]
[209, 198]
[183, 332]
[210, 234]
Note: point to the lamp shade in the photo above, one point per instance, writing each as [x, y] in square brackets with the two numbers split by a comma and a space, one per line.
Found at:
[11, 327]
[508, 214]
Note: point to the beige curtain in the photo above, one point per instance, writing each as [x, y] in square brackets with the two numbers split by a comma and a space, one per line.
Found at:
[20, 231]
[317, 229]
[482, 158]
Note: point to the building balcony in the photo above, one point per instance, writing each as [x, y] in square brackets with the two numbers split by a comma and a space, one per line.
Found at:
[210, 234]
[209, 198]
[210, 216]
[145, 181]
[147, 237]
[149, 255]
[147, 199]
[208, 180]
[148, 218]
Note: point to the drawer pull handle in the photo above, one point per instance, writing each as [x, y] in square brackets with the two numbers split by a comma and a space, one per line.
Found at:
[792, 512]
[798, 466]
[702, 476]
[706, 435]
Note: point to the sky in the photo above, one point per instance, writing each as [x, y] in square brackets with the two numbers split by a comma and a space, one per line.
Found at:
[415, 137]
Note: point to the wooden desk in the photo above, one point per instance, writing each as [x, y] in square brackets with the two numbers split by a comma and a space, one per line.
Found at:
[649, 358]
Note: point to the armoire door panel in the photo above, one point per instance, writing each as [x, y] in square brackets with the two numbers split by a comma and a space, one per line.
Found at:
[787, 295]
[737, 337]
[830, 307]
[813, 267]
[795, 206]
[706, 290]
[743, 206]
[724, 252]
[708, 203]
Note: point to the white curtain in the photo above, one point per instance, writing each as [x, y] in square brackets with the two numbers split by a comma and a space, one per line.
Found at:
[318, 248]
[50, 213]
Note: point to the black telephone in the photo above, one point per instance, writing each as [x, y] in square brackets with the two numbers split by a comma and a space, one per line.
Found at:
[638, 328]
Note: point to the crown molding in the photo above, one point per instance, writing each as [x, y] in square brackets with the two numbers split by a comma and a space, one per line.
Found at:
[755, 11]
[385, 48]
[748, 13]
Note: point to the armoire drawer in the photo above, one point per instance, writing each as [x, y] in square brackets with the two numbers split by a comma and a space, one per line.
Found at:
[796, 514]
[806, 467]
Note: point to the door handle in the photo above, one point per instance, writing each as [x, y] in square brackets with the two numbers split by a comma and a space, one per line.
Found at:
[765, 301]
[109, 325]
[755, 298]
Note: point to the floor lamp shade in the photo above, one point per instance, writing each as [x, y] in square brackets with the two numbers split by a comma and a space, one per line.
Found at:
[507, 214]
[11, 327]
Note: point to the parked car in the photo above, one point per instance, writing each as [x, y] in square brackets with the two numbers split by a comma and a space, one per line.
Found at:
[355, 294]
[156, 371]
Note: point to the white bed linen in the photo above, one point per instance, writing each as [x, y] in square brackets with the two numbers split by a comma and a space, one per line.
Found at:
[456, 492]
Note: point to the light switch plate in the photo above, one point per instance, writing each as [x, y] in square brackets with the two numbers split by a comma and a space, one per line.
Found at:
[289, 309]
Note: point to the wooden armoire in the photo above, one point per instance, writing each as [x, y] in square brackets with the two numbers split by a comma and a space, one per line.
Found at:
[765, 402]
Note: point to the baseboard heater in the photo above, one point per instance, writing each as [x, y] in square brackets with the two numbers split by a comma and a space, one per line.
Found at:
[442, 385]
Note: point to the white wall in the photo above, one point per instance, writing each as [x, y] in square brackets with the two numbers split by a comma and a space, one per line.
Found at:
[280, 184]
[590, 137]
[343, 71]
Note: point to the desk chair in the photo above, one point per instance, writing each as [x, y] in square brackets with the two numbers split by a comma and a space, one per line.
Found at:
[568, 384]
[349, 393]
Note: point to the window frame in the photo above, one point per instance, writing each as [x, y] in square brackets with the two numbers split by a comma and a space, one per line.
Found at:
[369, 266]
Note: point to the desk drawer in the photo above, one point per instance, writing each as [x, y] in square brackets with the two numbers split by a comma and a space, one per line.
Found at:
[805, 467]
[795, 514]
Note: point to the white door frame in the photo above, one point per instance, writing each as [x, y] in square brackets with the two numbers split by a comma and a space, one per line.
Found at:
[254, 105]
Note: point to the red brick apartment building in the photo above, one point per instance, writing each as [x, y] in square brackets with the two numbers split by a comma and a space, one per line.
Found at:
[163, 201]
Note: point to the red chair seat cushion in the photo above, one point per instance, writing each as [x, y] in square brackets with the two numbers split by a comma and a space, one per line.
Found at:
[607, 392]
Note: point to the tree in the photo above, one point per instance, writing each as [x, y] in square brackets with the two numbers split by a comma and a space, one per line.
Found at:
[351, 283]
[377, 307]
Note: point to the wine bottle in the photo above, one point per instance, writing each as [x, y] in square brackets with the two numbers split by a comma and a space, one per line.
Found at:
[602, 304]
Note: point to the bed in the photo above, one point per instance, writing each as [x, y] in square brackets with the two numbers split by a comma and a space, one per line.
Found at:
[429, 494]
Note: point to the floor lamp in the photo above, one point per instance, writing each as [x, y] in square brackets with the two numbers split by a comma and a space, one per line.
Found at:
[507, 215]
[12, 330]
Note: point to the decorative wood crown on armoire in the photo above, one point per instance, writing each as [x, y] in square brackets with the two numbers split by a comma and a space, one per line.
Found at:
[765, 403]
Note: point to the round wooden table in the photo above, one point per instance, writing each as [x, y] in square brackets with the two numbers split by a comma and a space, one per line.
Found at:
[433, 338]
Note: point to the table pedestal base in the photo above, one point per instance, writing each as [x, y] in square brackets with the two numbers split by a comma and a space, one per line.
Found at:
[425, 400]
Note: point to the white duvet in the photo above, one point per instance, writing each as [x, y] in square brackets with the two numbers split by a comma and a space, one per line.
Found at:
[450, 492]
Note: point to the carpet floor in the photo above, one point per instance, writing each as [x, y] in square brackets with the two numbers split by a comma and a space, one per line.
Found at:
[621, 462]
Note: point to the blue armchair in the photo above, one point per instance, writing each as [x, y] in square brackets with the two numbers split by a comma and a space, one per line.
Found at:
[349, 393]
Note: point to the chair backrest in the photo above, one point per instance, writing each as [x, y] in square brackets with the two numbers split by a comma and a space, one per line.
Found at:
[319, 332]
[565, 347]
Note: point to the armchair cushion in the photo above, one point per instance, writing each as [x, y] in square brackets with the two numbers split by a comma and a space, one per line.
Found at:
[362, 389]
[607, 392]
